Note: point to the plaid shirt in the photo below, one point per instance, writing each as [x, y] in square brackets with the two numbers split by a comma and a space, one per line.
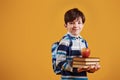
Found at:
[64, 59]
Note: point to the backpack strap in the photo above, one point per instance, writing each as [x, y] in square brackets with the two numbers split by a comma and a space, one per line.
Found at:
[70, 44]
[86, 44]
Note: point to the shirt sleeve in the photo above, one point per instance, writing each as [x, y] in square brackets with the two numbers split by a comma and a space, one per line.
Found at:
[61, 55]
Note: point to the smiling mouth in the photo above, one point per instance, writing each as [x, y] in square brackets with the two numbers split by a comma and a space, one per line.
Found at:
[76, 29]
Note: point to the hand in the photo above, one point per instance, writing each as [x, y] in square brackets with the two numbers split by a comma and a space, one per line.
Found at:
[80, 69]
[93, 68]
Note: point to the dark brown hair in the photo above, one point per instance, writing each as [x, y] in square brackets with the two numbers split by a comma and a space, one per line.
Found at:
[72, 14]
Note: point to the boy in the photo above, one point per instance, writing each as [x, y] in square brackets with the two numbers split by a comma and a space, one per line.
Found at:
[74, 22]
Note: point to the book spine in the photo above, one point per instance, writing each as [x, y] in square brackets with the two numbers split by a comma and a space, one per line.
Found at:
[83, 66]
[80, 59]
[85, 63]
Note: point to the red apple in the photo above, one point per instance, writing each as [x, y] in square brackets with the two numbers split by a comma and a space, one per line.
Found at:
[85, 52]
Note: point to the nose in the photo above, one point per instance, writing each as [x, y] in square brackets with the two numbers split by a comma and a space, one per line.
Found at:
[75, 25]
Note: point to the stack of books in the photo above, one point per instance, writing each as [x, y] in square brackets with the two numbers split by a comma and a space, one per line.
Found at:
[85, 62]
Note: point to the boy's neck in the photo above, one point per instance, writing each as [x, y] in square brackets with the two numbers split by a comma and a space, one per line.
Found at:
[73, 35]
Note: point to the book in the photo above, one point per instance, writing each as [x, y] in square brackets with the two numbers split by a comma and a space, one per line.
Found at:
[85, 63]
[82, 66]
[86, 59]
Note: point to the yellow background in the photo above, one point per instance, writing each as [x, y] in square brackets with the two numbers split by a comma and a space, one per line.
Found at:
[29, 27]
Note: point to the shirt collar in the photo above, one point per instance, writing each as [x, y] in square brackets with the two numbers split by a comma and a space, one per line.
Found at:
[76, 37]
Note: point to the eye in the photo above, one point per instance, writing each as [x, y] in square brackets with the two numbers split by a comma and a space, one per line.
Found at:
[79, 22]
[71, 22]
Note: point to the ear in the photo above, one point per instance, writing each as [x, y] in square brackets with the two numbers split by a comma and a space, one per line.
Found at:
[65, 25]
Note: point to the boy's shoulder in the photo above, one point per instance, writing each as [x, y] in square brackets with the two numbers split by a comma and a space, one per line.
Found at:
[65, 40]
[82, 39]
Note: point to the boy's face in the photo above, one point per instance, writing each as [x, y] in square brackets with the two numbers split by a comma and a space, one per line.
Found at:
[75, 27]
